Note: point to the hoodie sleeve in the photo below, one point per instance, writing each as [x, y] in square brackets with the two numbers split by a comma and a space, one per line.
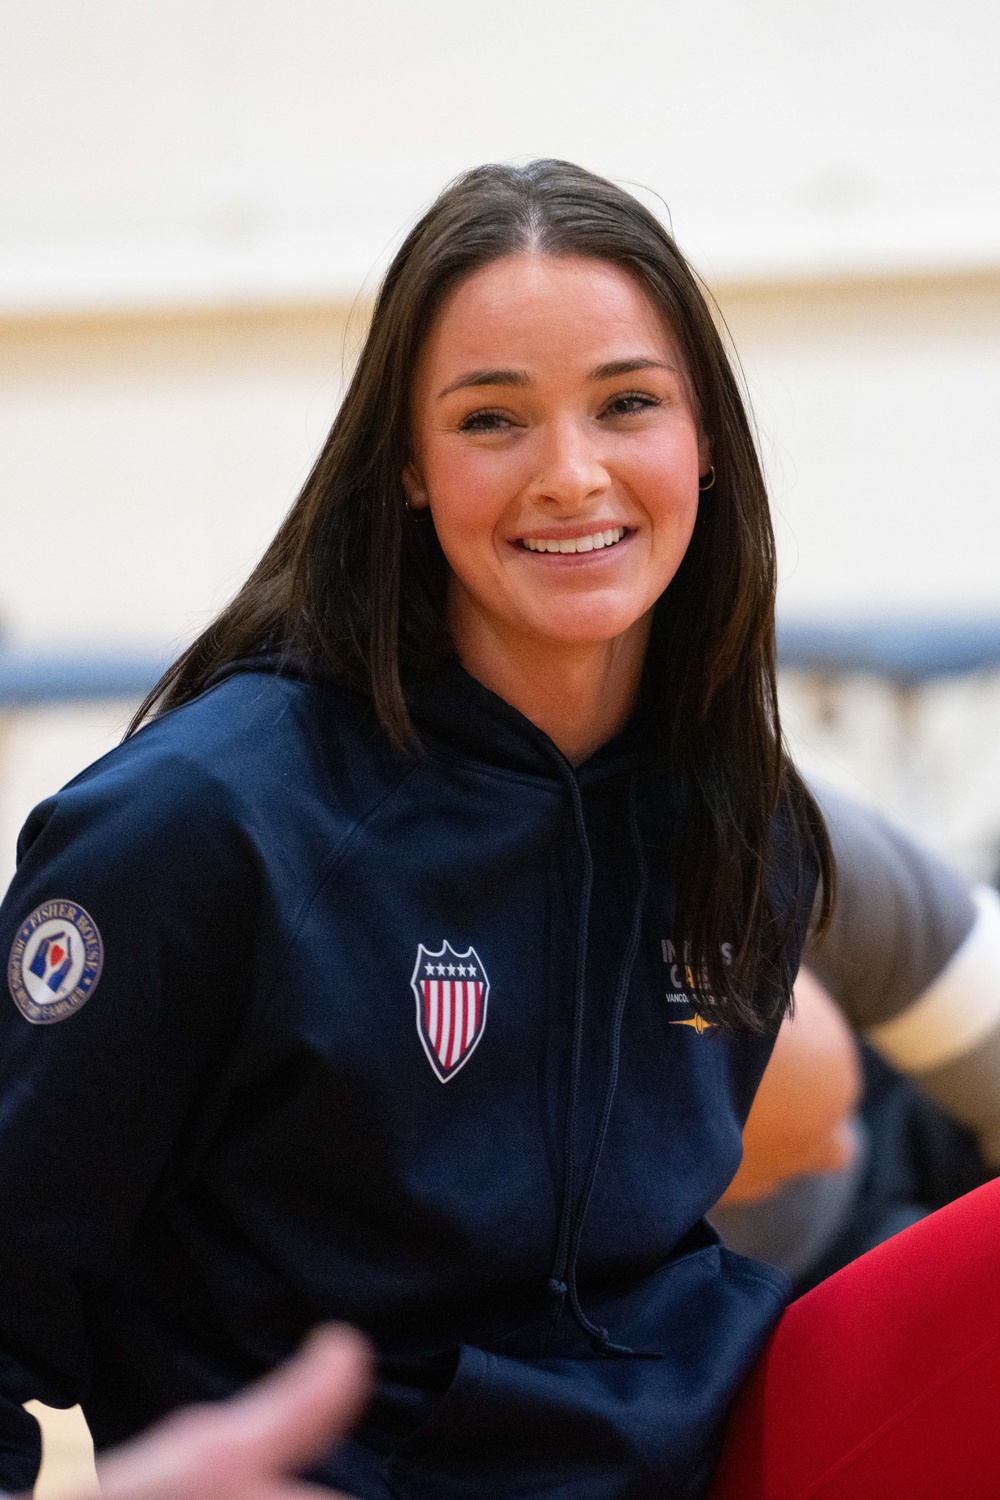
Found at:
[912, 956]
[125, 936]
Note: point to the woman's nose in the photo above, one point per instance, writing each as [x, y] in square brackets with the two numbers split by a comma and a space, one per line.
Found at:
[572, 468]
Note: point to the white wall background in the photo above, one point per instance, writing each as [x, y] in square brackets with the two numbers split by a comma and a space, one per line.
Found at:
[792, 122]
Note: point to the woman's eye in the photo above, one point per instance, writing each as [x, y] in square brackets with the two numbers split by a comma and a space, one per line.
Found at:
[484, 421]
[629, 403]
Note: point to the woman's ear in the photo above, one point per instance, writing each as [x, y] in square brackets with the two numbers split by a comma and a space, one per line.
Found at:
[704, 453]
[416, 495]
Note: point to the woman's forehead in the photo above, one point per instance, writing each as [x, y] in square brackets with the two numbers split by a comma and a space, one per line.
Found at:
[533, 308]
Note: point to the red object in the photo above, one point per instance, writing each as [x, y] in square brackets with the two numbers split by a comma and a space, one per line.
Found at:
[883, 1381]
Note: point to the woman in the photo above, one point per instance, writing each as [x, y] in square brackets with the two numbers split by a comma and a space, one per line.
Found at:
[416, 965]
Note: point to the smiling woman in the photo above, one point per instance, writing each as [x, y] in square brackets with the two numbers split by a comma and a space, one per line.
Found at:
[555, 290]
[447, 904]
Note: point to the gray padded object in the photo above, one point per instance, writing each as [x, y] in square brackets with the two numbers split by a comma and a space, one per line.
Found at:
[900, 915]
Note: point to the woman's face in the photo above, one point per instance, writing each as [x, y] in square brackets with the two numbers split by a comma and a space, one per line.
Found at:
[556, 442]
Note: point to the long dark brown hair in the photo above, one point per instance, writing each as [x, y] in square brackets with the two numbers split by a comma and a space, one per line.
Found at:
[353, 586]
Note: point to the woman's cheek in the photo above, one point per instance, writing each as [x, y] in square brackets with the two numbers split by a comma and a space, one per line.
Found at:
[465, 488]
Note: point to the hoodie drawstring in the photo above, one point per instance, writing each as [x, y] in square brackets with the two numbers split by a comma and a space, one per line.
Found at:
[562, 1281]
[558, 1285]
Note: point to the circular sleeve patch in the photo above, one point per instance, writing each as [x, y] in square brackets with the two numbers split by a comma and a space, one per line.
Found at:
[55, 962]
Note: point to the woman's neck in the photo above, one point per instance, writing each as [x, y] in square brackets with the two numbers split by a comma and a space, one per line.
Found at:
[580, 694]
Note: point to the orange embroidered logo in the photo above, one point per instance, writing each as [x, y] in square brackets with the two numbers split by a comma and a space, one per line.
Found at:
[698, 1022]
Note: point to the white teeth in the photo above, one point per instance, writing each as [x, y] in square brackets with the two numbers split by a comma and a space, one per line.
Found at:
[577, 543]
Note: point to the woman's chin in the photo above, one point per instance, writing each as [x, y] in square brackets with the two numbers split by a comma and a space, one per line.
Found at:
[568, 628]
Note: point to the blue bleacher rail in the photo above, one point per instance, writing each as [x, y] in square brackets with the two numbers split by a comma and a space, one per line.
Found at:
[903, 652]
[29, 679]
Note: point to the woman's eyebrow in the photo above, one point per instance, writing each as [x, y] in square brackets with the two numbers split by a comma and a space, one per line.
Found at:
[522, 378]
[487, 377]
[629, 367]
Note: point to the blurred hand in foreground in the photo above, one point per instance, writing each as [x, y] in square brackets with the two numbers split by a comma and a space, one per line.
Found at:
[248, 1448]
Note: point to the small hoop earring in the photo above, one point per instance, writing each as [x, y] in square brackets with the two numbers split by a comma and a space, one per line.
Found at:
[708, 486]
[417, 513]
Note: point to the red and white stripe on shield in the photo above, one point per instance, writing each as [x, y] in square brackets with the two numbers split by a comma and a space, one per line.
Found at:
[451, 991]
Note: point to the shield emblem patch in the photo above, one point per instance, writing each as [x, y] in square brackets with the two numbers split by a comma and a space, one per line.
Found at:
[451, 991]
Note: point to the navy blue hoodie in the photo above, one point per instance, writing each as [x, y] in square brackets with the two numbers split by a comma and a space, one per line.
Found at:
[300, 1028]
